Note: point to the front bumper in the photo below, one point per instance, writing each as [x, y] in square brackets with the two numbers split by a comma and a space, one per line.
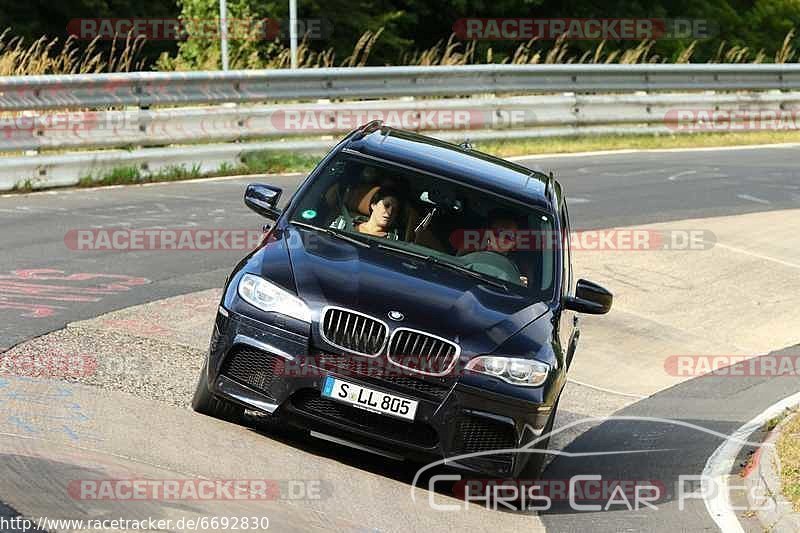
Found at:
[275, 370]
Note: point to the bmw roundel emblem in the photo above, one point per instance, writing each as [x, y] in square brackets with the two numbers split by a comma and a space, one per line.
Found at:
[396, 315]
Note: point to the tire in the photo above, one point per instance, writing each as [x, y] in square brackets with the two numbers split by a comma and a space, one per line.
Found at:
[535, 465]
[204, 402]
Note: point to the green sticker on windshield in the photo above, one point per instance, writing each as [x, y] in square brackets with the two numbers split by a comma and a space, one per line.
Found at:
[308, 214]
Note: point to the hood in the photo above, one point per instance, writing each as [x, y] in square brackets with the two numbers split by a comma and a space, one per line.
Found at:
[478, 316]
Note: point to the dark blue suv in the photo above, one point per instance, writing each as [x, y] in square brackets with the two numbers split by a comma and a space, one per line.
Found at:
[415, 299]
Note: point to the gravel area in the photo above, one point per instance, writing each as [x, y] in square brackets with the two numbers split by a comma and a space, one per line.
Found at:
[154, 351]
[147, 368]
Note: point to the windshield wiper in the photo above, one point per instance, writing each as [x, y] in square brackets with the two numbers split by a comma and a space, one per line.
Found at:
[473, 273]
[334, 233]
[446, 264]
[409, 253]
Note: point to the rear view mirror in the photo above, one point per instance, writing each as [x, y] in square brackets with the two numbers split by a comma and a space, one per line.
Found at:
[263, 199]
[437, 198]
[589, 298]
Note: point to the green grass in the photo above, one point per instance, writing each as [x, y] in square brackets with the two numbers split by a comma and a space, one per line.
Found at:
[557, 145]
[133, 175]
[773, 422]
[253, 163]
[271, 161]
[24, 186]
[789, 453]
[115, 176]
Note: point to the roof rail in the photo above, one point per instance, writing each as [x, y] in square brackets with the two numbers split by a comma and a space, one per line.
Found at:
[549, 189]
[366, 129]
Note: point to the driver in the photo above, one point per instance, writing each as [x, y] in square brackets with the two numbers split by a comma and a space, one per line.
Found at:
[503, 228]
[384, 210]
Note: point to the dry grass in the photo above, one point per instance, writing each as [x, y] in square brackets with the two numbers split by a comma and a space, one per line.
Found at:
[534, 52]
[787, 51]
[554, 145]
[308, 58]
[789, 451]
[50, 56]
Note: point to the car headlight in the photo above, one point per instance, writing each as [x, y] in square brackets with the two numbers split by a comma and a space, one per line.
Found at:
[526, 372]
[269, 297]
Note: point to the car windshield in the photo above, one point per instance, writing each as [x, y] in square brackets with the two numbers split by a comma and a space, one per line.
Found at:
[463, 228]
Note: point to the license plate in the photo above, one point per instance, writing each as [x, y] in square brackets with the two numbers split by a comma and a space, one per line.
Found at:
[369, 399]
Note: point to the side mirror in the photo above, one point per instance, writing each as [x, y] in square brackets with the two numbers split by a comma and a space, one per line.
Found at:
[589, 298]
[263, 199]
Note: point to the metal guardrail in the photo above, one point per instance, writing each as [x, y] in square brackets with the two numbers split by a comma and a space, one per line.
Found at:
[144, 89]
[202, 124]
[139, 110]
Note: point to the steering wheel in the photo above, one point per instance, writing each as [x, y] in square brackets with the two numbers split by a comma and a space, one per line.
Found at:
[492, 264]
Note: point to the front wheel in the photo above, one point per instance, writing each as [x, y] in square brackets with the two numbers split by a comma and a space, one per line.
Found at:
[536, 460]
[206, 403]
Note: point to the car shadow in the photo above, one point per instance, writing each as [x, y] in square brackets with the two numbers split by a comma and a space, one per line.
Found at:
[403, 471]
[660, 441]
[671, 433]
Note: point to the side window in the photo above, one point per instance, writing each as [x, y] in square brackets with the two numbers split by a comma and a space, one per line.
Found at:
[567, 254]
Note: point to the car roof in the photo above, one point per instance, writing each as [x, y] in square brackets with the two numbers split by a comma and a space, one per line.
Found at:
[451, 161]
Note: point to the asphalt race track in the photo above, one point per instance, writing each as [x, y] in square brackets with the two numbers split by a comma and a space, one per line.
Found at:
[605, 191]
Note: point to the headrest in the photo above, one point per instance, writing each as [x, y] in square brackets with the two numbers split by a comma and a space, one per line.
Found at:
[358, 199]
